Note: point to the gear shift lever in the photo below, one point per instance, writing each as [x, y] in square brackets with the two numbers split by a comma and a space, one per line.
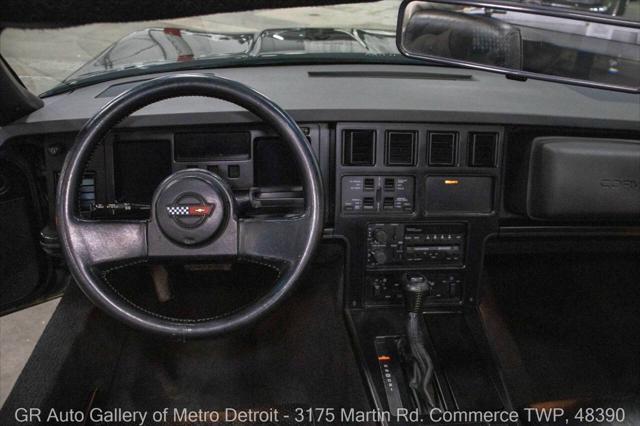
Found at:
[416, 287]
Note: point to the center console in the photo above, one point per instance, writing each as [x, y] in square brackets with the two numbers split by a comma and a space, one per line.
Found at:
[416, 197]
[415, 202]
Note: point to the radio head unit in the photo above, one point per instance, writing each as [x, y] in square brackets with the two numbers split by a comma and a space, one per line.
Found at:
[411, 244]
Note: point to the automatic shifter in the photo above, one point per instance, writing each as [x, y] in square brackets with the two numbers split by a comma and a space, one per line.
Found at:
[416, 288]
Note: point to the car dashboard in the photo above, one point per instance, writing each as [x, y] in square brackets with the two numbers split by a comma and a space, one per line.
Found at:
[417, 172]
[423, 170]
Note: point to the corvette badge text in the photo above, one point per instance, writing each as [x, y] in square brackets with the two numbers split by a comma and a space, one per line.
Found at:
[314, 415]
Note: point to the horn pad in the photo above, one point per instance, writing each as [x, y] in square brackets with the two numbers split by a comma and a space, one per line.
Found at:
[190, 207]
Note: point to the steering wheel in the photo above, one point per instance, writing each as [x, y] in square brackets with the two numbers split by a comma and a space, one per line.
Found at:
[193, 213]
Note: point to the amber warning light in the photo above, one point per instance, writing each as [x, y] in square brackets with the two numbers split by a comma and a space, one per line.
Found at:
[451, 181]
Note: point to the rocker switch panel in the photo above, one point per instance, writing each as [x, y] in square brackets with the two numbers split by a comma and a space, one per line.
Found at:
[377, 194]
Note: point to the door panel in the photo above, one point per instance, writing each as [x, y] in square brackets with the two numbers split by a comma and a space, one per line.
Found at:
[25, 271]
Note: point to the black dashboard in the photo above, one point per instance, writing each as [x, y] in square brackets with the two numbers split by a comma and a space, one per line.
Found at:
[417, 172]
[124, 172]
[420, 197]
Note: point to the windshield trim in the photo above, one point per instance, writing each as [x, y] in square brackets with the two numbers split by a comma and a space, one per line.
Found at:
[244, 62]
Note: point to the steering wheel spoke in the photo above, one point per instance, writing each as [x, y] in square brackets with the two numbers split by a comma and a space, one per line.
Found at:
[274, 239]
[100, 242]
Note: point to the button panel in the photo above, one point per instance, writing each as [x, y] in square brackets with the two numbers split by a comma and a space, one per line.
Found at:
[385, 288]
[377, 194]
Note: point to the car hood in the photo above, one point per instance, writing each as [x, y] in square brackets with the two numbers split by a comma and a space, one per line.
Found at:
[153, 46]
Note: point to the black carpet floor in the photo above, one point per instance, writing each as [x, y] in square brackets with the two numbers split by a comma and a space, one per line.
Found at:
[299, 355]
[575, 320]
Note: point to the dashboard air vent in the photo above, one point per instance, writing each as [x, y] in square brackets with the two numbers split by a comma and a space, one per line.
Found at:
[442, 148]
[359, 147]
[482, 149]
[400, 148]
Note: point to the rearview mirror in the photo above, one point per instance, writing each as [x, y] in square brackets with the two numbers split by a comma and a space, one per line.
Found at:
[522, 41]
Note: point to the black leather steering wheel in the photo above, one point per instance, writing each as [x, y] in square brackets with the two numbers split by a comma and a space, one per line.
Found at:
[193, 214]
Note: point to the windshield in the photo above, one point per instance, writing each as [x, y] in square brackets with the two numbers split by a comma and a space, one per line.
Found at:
[44, 59]
[350, 33]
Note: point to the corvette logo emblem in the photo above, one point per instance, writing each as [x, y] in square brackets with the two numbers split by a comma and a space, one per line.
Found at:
[185, 210]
